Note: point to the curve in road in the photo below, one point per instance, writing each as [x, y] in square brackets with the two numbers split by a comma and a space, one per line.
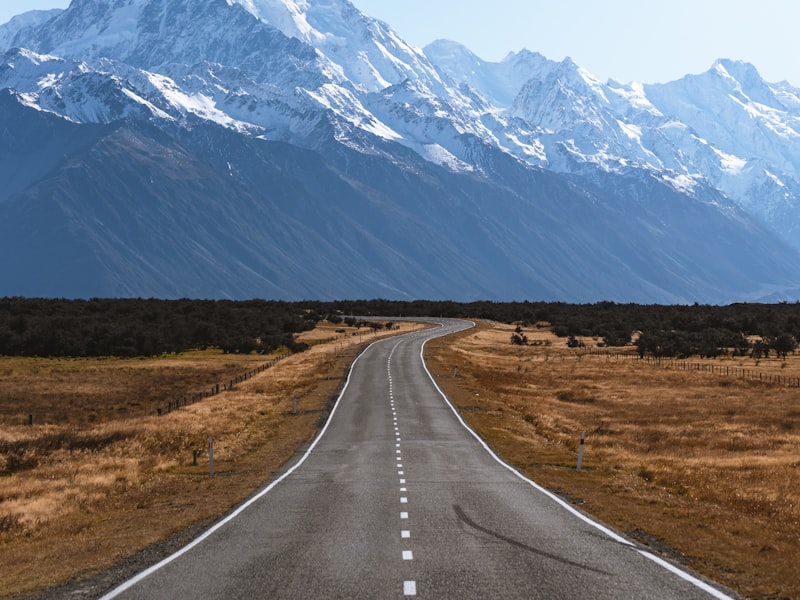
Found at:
[398, 497]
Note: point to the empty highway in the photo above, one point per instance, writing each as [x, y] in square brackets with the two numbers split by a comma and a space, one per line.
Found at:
[397, 498]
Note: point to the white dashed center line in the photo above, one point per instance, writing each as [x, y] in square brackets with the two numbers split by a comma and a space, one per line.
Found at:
[409, 587]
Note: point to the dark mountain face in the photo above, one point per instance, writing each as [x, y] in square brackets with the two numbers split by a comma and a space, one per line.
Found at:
[138, 210]
[171, 181]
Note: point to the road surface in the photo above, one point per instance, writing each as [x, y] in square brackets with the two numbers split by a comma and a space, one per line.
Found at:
[397, 498]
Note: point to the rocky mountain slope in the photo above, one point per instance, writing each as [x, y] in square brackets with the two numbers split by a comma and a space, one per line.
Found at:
[301, 149]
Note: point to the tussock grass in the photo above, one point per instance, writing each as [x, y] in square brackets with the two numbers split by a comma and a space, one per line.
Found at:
[100, 476]
[700, 466]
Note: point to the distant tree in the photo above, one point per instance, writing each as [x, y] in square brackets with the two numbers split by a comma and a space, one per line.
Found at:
[740, 345]
[519, 340]
[783, 345]
[574, 342]
[760, 349]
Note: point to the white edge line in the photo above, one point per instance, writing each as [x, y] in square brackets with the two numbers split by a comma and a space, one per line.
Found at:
[684, 575]
[208, 533]
[614, 536]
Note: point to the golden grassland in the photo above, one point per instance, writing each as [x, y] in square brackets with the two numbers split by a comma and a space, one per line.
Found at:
[702, 467]
[100, 476]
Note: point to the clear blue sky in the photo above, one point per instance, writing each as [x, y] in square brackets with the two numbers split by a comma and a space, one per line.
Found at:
[629, 40]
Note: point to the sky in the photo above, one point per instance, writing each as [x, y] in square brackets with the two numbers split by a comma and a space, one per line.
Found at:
[627, 40]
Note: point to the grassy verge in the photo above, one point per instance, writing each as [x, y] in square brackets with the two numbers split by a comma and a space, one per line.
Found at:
[703, 468]
[98, 476]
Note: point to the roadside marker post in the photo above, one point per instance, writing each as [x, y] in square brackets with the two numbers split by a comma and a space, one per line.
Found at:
[294, 403]
[580, 452]
[211, 456]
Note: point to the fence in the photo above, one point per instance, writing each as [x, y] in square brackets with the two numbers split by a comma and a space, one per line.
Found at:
[218, 388]
[685, 365]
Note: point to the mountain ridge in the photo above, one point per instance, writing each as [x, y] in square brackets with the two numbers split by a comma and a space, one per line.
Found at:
[470, 165]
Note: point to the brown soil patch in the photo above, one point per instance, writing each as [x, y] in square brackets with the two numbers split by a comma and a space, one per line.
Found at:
[700, 466]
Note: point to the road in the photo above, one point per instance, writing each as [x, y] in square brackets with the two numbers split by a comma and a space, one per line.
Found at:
[398, 498]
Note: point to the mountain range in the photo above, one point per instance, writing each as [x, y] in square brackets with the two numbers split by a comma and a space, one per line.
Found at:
[300, 149]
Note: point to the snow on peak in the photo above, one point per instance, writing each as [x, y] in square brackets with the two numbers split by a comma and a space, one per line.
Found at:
[379, 57]
[287, 15]
[26, 21]
[88, 27]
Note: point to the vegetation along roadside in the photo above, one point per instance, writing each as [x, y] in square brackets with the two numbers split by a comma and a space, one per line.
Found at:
[700, 464]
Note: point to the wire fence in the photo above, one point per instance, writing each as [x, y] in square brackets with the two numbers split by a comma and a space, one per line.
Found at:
[687, 365]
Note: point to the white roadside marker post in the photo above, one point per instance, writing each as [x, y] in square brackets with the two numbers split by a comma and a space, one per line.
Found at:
[211, 456]
[580, 452]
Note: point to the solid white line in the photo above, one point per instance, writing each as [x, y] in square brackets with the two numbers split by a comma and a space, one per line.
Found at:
[410, 588]
[613, 535]
[684, 575]
[208, 533]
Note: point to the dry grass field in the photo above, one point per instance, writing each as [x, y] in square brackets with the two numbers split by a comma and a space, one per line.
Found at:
[99, 476]
[702, 467]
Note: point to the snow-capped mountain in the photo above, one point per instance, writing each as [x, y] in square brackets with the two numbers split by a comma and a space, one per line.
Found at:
[129, 124]
[726, 127]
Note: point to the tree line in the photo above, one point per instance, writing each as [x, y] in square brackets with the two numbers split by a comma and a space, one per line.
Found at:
[147, 327]
[745, 329]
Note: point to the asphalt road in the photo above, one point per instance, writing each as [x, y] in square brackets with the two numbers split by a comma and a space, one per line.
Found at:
[398, 498]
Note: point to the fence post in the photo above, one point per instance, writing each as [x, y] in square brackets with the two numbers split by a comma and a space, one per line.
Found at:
[30, 420]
